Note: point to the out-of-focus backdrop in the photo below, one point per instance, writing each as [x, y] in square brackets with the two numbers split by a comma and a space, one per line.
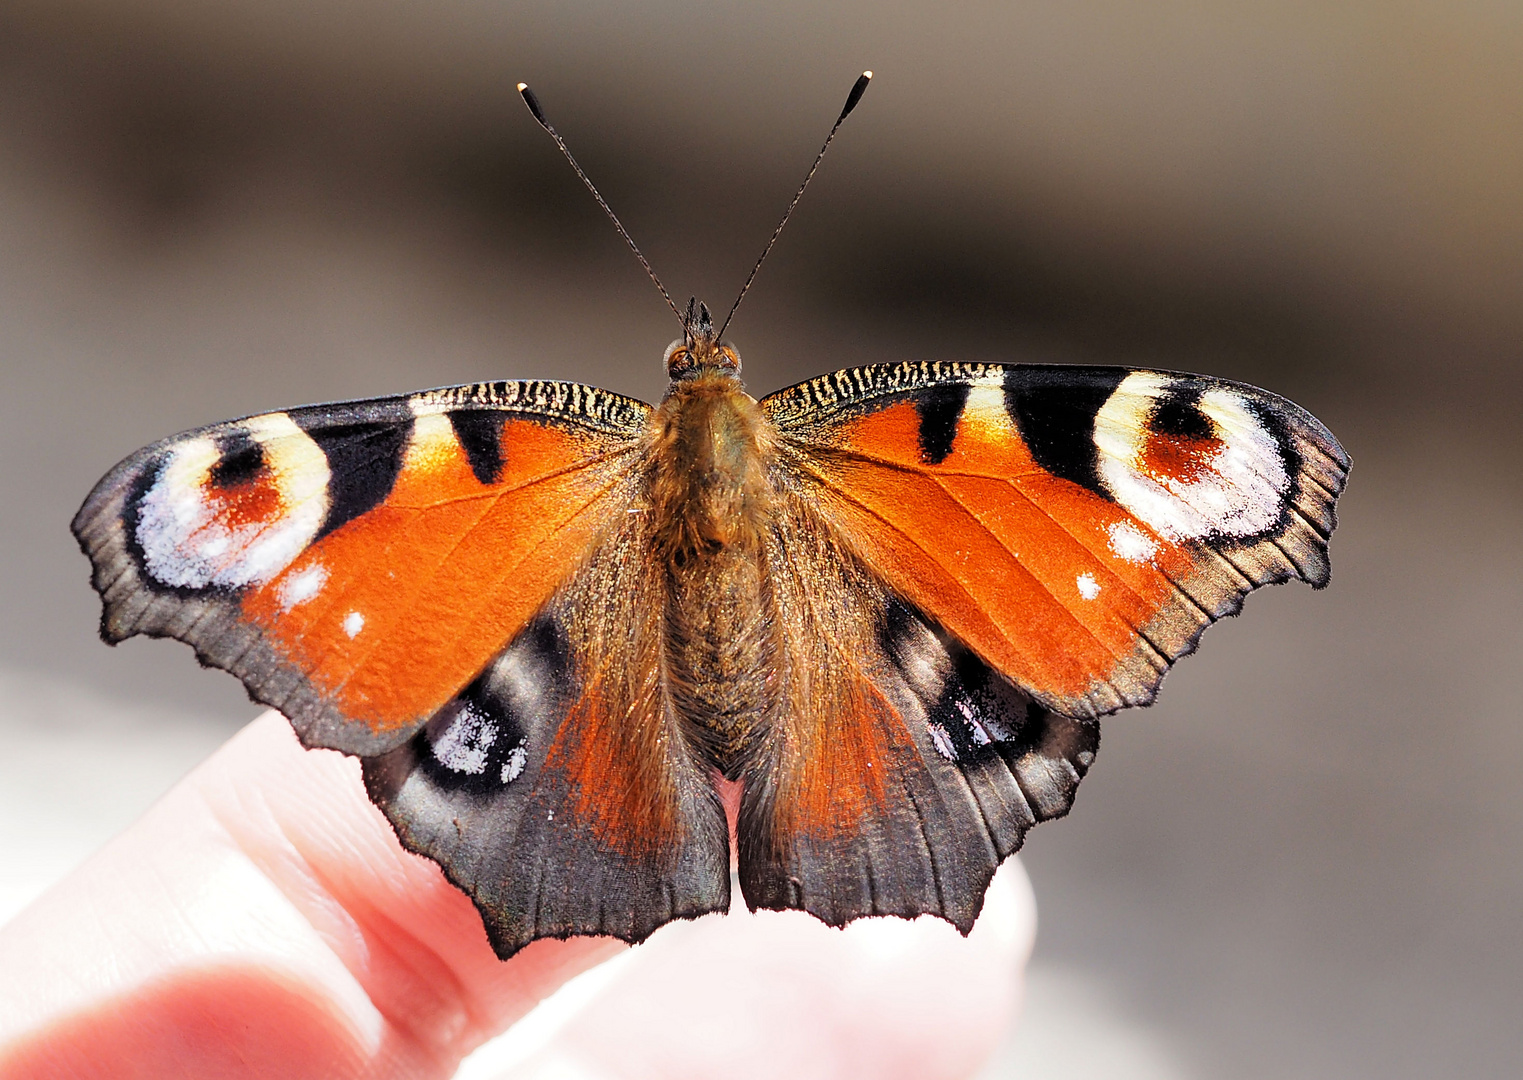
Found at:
[1307, 859]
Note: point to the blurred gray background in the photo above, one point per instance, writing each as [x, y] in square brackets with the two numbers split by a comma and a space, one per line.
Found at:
[1307, 859]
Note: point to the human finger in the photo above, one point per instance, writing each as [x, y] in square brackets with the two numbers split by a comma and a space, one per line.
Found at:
[781, 994]
[261, 919]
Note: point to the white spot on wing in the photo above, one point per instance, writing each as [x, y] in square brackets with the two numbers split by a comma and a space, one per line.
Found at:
[986, 402]
[354, 622]
[1089, 588]
[984, 410]
[942, 741]
[465, 743]
[513, 767]
[303, 586]
[433, 438]
[1131, 543]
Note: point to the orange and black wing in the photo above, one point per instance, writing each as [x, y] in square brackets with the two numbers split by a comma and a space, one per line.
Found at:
[357, 564]
[1076, 527]
[899, 768]
[431, 582]
[992, 558]
[559, 789]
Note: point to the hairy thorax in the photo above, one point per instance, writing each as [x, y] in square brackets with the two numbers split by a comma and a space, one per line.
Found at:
[714, 502]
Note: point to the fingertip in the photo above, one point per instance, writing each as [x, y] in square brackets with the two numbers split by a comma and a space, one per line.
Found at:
[1009, 919]
[780, 993]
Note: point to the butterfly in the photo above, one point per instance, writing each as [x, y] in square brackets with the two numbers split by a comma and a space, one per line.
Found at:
[880, 612]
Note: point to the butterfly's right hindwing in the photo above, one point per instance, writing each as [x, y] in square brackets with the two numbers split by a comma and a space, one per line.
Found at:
[899, 769]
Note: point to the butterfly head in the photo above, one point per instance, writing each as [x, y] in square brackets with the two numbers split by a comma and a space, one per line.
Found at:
[699, 348]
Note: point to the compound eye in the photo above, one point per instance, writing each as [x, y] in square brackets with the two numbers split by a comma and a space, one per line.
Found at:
[678, 357]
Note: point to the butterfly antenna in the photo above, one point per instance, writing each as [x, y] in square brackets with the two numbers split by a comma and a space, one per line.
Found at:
[857, 90]
[539, 115]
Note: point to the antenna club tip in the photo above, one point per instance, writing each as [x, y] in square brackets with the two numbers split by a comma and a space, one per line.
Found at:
[533, 103]
[858, 88]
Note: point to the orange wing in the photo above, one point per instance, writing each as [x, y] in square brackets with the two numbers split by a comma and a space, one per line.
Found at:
[358, 564]
[561, 789]
[898, 769]
[1077, 528]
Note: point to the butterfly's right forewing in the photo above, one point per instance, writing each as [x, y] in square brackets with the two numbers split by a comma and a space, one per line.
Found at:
[1076, 527]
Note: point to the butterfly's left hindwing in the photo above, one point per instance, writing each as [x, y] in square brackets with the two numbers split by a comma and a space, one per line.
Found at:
[1076, 528]
[559, 789]
[357, 564]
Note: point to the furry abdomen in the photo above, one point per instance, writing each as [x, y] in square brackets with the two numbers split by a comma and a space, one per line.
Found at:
[713, 503]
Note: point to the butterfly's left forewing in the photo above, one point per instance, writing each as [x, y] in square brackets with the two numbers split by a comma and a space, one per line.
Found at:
[358, 564]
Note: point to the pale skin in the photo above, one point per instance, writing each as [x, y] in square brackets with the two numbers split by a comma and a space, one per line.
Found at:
[262, 920]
